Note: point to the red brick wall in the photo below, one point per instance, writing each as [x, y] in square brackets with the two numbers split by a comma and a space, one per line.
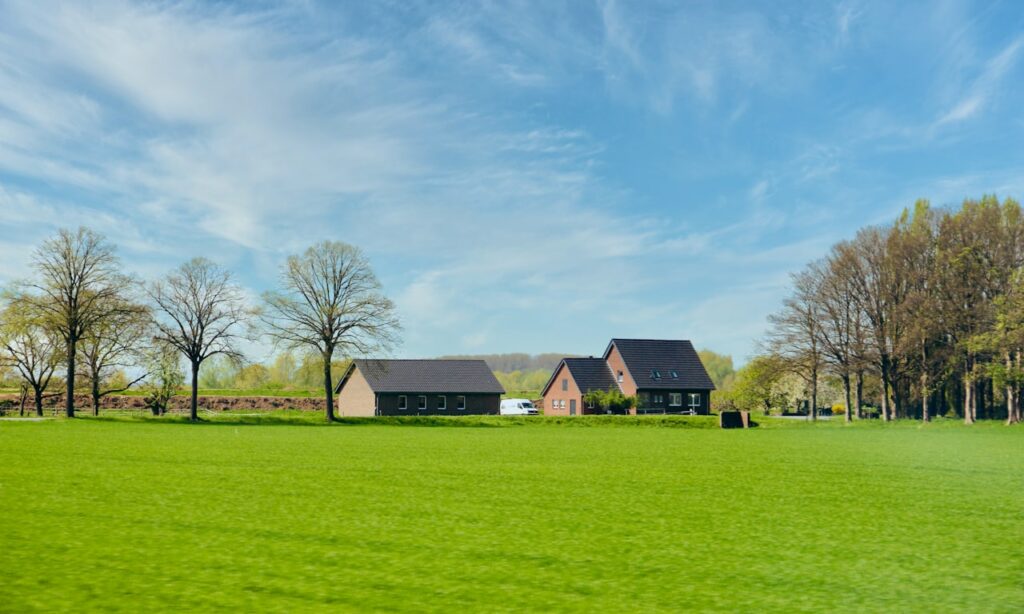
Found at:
[616, 363]
[555, 393]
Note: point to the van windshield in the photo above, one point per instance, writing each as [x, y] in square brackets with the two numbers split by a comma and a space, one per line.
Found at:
[526, 405]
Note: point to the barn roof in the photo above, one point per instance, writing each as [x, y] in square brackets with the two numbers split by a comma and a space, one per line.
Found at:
[433, 375]
[657, 363]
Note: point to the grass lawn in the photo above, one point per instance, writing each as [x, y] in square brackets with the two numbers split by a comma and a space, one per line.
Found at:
[137, 515]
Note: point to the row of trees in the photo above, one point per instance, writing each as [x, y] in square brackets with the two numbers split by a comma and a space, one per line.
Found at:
[80, 313]
[931, 308]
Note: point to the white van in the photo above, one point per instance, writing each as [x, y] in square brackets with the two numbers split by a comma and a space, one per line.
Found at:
[518, 407]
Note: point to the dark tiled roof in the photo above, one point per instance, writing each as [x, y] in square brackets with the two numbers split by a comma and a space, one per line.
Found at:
[429, 376]
[591, 374]
[642, 356]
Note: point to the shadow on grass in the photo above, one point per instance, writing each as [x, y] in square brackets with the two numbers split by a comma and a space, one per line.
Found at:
[314, 419]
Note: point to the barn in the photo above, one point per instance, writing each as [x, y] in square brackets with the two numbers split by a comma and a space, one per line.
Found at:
[441, 387]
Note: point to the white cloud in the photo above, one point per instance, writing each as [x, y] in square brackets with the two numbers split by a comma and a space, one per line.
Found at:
[978, 93]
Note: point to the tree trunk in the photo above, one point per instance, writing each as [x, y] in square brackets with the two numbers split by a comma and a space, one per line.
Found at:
[69, 400]
[193, 411]
[95, 397]
[328, 387]
[968, 393]
[39, 400]
[814, 394]
[23, 399]
[1013, 409]
[860, 394]
[846, 389]
[974, 400]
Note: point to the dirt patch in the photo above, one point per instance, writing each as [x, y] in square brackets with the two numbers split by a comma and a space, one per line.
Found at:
[178, 403]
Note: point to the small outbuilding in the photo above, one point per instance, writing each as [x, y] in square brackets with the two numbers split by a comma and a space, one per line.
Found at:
[390, 387]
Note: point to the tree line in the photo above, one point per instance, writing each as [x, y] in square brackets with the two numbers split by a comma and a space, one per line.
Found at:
[81, 314]
[919, 318]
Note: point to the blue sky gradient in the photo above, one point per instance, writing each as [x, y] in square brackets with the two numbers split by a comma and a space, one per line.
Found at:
[524, 176]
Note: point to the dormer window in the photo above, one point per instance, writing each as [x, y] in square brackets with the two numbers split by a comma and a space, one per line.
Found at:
[655, 374]
[675, 374]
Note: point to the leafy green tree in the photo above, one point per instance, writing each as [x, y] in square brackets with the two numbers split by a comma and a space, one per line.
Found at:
[719, 368]
[759, 385]
[29, 345]
[164, 377]
[612, 400]
[252, 376]
[112, 345]
[78, 285]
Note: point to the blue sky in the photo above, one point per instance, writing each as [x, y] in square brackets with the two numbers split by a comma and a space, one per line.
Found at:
[524, 176]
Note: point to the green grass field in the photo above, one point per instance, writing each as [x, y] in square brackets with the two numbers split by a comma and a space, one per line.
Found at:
[137, 515]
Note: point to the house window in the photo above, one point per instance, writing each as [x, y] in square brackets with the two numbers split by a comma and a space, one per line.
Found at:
[675, 399]
[589, 401]
[695, 401]
[460, 402]
[561, 403]
[655, 374]
[675, 374]
[403, 402]
[442, 402]
[619, 376]
[565, 384]
[422, 402]
[659, 399]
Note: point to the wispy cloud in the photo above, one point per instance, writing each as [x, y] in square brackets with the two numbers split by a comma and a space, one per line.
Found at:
[524, 175]
[979, 92]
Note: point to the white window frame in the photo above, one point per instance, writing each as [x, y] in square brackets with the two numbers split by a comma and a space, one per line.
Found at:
[659, 399]
[421, 402]
[675, 399]
[620, 377]
[403, 402]
[442, 402]
[694, 396]
[460, 402]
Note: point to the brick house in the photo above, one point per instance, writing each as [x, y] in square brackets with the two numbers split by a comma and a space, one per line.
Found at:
[666, 375]
[378, 387]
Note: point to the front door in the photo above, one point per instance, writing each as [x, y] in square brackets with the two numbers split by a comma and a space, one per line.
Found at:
[572, 407]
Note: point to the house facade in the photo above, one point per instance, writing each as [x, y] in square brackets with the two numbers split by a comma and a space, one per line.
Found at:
[384, 387]
[667, 376]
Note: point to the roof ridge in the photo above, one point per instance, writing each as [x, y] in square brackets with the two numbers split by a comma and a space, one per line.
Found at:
[659, 340]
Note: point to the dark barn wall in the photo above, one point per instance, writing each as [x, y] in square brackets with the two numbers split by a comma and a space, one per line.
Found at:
[476, 404]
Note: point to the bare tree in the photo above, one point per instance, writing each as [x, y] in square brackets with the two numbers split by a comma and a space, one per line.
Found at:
[878, 289]
[79, 282]
[200, 312]
[33, 349]
[330, 300]
[113, 344]
[839, 314]
[795, 336]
